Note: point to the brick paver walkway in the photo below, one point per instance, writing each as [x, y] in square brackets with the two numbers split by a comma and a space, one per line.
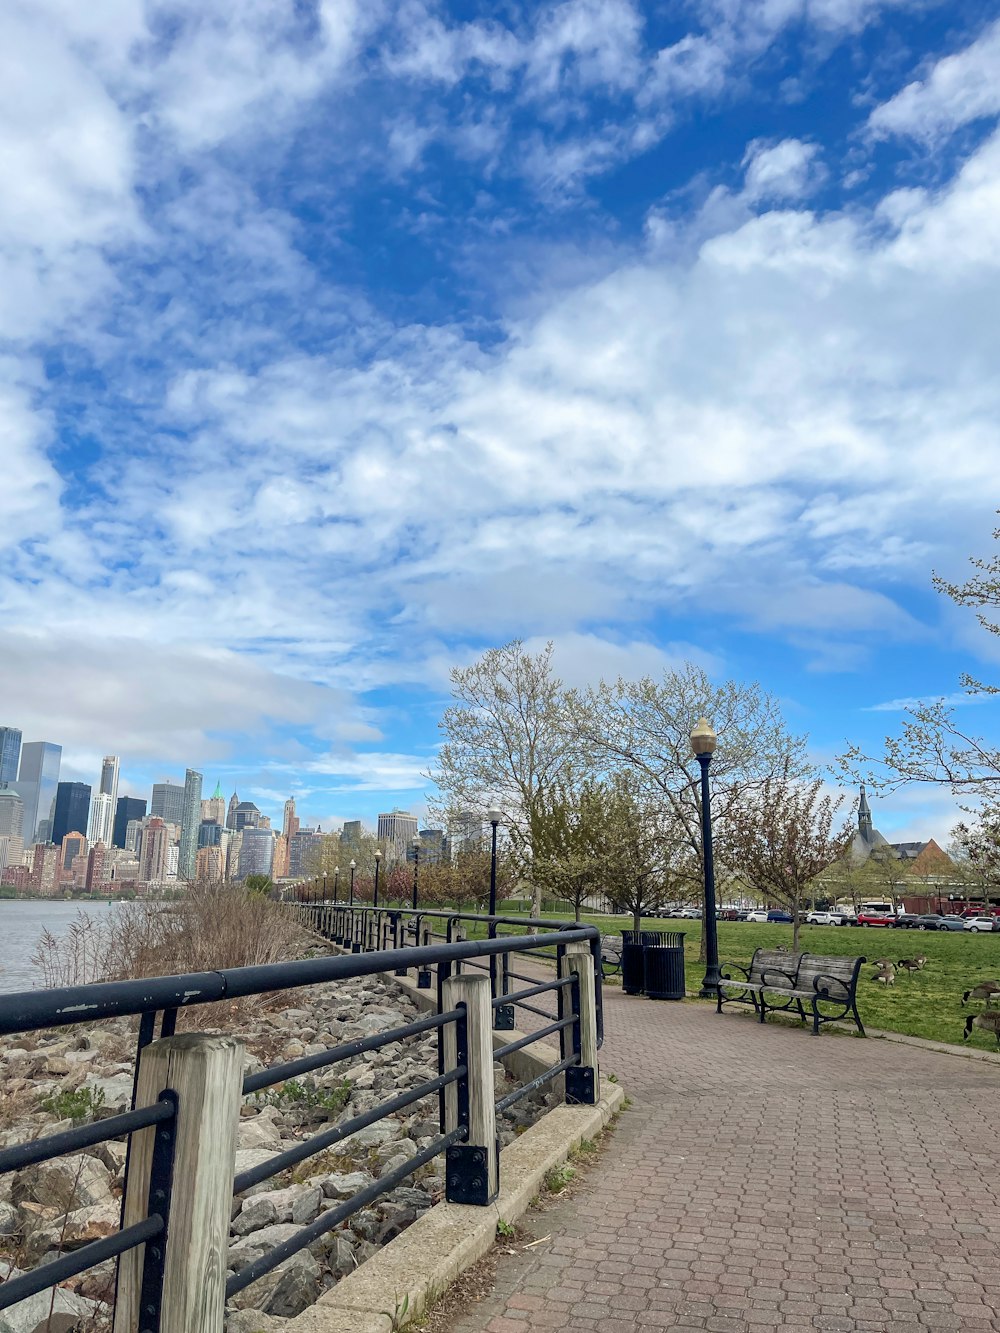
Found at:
[765, 1179]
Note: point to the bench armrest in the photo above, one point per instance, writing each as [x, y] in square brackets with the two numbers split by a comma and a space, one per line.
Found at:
[821, 985]
[788, 981]
[725, 976]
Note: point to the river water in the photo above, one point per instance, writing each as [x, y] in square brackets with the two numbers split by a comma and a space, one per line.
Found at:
[22, 922]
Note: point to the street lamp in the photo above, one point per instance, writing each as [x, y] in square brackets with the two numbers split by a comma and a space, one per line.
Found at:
[416, 867]
[378, 862]
[336, 883]
[494, 817]
[353, 867]
[703, 743]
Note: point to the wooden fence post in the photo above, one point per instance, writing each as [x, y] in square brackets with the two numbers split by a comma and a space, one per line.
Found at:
[206, 1075]
[581, 1080]
[472, 1168]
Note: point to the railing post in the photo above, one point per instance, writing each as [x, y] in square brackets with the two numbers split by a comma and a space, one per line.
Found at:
[399, 942]
[424, 972]
[581, 1039]
[206, 1076]
[472, 1168]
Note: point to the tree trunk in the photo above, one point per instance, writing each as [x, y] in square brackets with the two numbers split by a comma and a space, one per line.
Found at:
[637, 917]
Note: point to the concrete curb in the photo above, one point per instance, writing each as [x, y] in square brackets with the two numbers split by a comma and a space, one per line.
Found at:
[400, 1282]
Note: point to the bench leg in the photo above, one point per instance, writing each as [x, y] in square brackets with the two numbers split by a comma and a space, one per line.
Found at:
[857, 1019]
[815, 1005]
[763, 1007]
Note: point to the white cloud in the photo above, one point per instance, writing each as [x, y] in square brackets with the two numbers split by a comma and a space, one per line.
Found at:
[783, 171]
[958, 89]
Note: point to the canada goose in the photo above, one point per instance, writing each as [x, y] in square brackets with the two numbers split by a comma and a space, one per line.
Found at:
[988, 1020]
[886, 975]
[983, 990]
[912, 964]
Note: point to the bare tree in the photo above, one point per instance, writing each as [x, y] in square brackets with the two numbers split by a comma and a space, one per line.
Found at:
[506, 742]
[644, 727]
[782, 837]
[932, 746]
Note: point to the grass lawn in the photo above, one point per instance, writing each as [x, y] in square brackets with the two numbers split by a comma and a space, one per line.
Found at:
[927, 1004]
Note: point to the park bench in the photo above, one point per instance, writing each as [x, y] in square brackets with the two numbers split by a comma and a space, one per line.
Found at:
[611, 954]
[776, 982]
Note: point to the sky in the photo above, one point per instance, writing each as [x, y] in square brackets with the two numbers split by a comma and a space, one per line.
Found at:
[343, 339]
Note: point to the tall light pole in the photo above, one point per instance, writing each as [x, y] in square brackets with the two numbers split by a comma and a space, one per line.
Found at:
[353, 867]
[703, 743]
[378, 862]
[336, 883]
[416, 867]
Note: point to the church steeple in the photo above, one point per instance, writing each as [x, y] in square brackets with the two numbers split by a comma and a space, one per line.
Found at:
[864, 816]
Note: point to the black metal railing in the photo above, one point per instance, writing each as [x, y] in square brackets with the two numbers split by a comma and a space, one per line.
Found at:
[166, 997]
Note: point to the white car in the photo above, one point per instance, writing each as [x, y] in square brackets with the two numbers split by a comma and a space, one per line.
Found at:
[760, 915]
[826, 919]
[982, 923]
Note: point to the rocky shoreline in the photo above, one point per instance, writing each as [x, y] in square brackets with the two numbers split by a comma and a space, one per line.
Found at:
[54, 1079]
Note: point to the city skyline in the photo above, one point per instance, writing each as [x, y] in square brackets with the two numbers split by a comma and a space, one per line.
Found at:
[359, 339]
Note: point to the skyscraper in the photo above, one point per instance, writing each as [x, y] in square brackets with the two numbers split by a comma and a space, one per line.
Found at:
[215, 807]
[168, 802]
[396, 831]
[153, 853]
[290, 824]
[10, 753]
[234, 801]
[256, 852]
[72, 810]
[190, 822]
[101, 824]
[38, 778]
[126, 809]
[109, 778]
[11, 813]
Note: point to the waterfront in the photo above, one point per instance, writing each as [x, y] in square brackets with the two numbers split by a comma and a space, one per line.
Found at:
[22, 922]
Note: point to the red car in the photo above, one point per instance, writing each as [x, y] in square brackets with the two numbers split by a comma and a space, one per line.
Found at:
[876, 919]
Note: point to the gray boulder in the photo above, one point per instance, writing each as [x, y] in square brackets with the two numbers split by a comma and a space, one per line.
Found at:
[32, 1315]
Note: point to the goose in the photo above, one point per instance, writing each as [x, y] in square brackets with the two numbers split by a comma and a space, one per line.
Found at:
[983, 990]
[912, 965]
[988, 1020]
[886, 975]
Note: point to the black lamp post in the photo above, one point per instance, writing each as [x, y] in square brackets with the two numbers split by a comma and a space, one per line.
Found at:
[416, 867]
[353, 867]
[336, 883]
[703, 743]
[494, 817]
[378, 862]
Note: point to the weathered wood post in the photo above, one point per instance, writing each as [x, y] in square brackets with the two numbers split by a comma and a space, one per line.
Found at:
[206, 1076]
[472, 1168]
[581, 1039]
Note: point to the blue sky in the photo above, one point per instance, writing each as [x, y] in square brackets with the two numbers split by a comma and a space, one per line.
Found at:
[342, 340]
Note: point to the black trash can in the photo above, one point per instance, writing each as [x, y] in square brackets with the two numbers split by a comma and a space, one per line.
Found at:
[633, 962]
[664, 969]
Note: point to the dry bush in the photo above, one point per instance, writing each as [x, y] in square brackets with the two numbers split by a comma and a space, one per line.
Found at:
[213, 926]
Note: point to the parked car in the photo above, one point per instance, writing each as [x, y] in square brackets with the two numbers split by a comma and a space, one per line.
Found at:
[826, 919]
[687, 913]
[934, 921]
[758, 914]
[906, 921]
[876, 919]
[981, 923]
[779, 916]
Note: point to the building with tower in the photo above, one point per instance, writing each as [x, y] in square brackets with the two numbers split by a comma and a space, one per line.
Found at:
[234, 802]
[290, 823]
[215, 807]
[72, 813]
[109, 779]
[190, 823]
[127, 809]
[246, 815]
[10, 753]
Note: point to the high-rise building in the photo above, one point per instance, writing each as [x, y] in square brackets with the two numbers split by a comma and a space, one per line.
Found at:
[396, 832]
[302, 851]
[72, 810]
[433, 846]
[215, 807]
[246, 815]
[153, 850]
[10, 753]
[209, 834]
[465, 832]
[109, 778]
[98, 871]
[290, 823]
[351, 834]
[234, 801]
[45, 870]
[256, 852]
[133, 834]
[210, 864]
[190, 822]
[167, 802]
[127, 808]
[11, 813]
[37, 780]
[279, 860]
[73, 859]
[101, 824]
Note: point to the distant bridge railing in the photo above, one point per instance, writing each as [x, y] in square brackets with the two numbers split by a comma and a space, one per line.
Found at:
[188, 1088]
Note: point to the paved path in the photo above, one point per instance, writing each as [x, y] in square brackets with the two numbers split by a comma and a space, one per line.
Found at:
[765, 1179]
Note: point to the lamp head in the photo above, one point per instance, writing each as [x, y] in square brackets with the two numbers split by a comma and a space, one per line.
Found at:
[416, 840]
[494, 817]
[378, 856]
[353, 864]
[703, 738]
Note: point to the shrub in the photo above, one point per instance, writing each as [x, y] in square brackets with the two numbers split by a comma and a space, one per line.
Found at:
[78, 1104]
